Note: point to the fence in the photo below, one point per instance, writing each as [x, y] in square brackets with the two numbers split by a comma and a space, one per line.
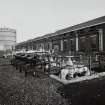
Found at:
[4, 61]
[94, 61]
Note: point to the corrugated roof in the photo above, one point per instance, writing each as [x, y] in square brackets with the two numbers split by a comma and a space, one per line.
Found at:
[44, 36]
[93, 22]
[82, 25]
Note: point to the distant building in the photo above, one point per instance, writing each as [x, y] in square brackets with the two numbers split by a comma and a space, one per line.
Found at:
[87, 37]
[7, 39]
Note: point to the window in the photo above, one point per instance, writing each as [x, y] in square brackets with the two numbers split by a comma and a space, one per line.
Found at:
[50, 45]
[93, 43]
[56, 45]
[56, 48]
[82, 42]
[88, 43]
[46, 46]
[34, 46]
[65, 44]
[72, 44]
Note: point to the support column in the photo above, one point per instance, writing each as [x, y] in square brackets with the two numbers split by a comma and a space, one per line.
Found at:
[42, 46]
[37, 46]
[61, 45]
[32, 46]
[100, 39]
[76, 41]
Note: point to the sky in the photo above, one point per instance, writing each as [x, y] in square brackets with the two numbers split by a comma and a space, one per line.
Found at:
[33, 18]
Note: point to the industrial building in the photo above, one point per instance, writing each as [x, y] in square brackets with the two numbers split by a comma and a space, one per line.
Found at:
[85, 37]
[7, 38]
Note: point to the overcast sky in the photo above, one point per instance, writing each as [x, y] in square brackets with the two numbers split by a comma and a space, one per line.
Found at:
[32, 18]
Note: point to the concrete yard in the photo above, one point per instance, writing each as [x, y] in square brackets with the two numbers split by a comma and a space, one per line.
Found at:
[15, 89]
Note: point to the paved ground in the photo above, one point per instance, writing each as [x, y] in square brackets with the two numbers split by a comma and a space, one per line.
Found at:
[15, 89]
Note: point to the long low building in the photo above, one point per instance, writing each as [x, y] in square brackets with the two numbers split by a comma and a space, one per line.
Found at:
[85, 37]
